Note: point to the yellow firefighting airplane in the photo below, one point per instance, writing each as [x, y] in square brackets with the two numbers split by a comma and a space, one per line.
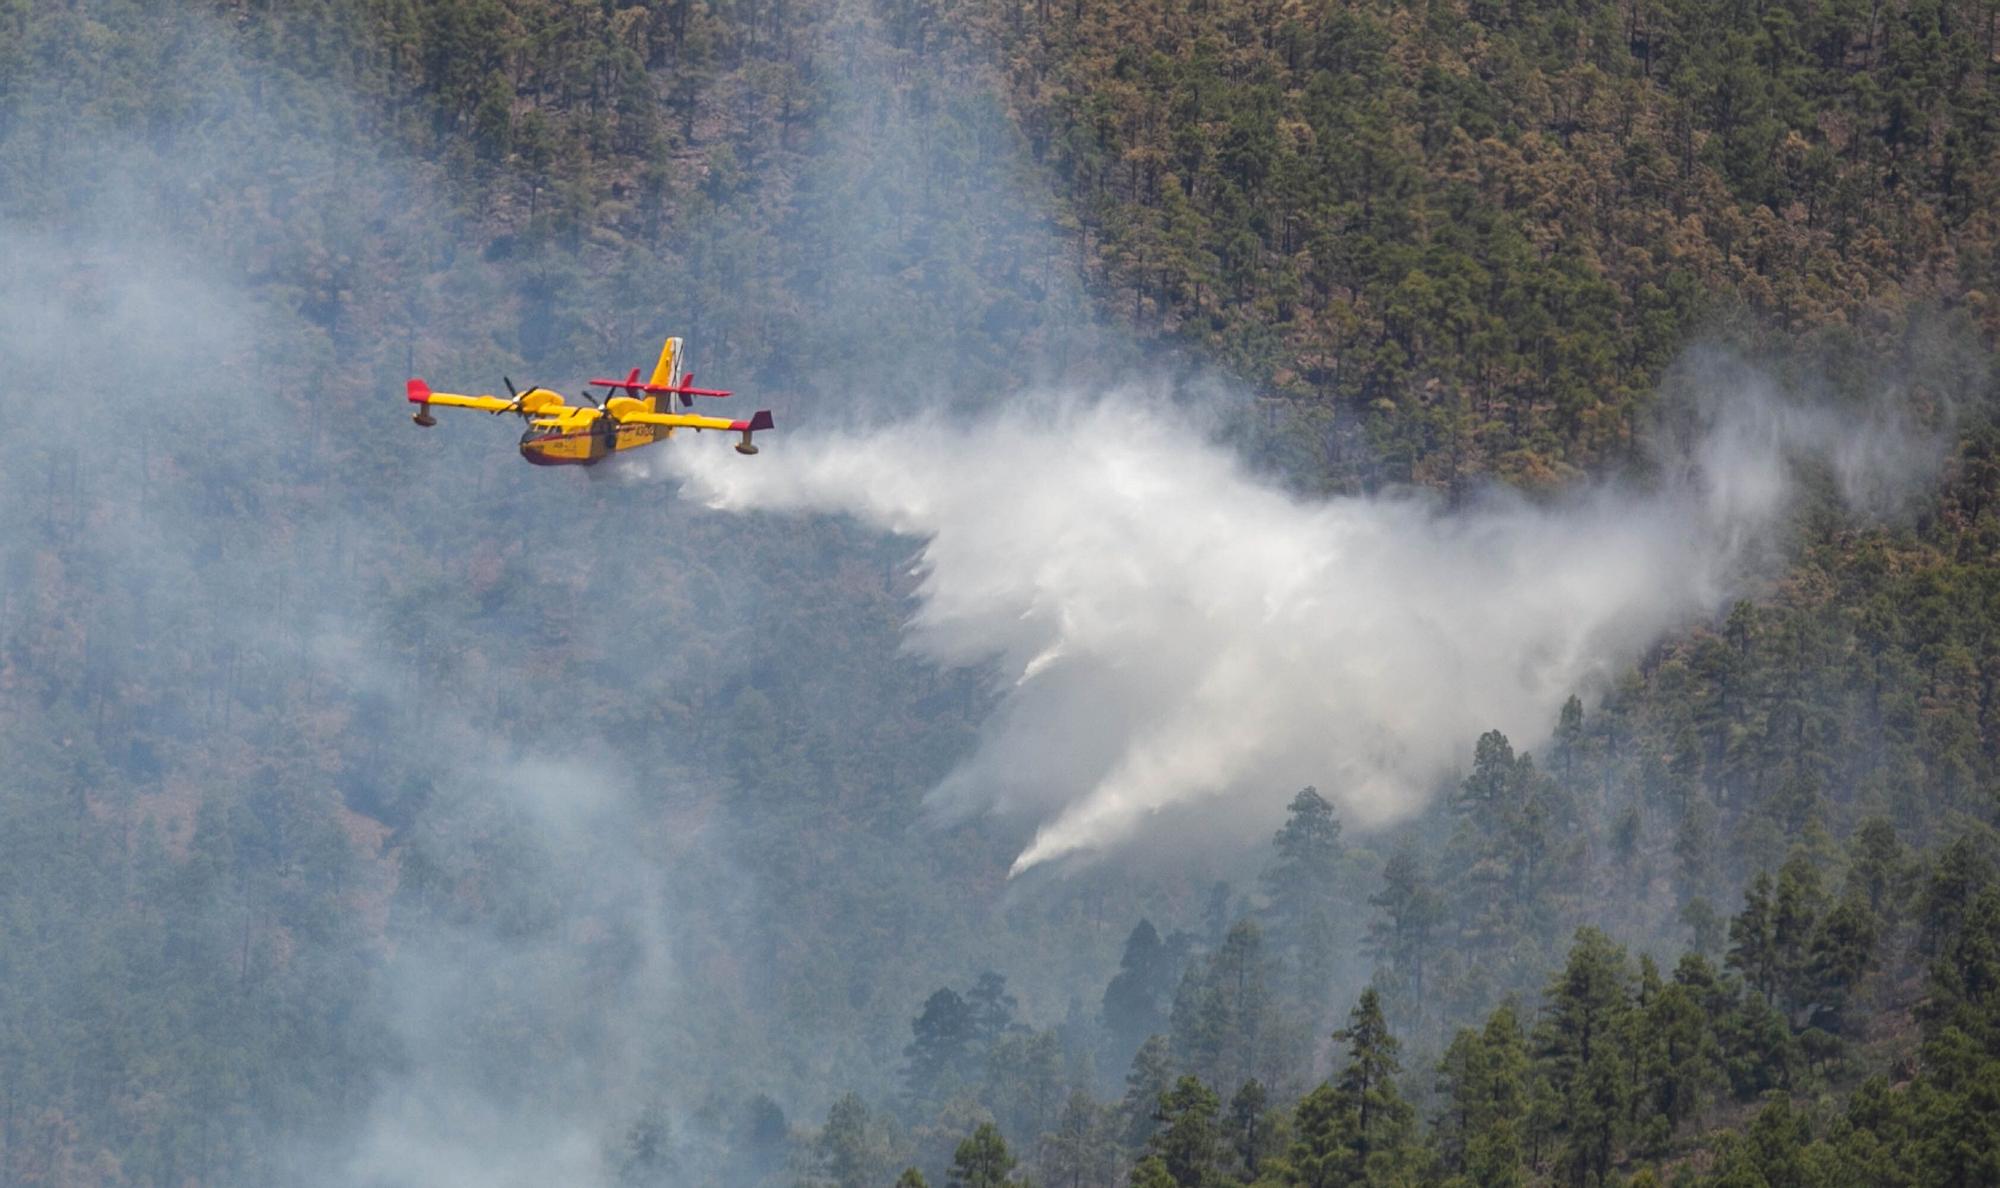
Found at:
[560, 434]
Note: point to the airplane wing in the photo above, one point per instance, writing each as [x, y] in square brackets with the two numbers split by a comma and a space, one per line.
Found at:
[420, 393]
[686, 421]
[681, 421]
[535, 401]
[622, 408]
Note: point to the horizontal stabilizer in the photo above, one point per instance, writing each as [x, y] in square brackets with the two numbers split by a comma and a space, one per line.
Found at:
[687, 388]
[684, 389]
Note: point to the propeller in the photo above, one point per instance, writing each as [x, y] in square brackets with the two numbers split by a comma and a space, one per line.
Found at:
[606, 423]
[516, 394]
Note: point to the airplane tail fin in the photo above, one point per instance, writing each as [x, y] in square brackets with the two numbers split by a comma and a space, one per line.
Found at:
[667, 372]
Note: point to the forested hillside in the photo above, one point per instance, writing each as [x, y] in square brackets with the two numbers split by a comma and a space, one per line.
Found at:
[1465, 240]
[378, 812]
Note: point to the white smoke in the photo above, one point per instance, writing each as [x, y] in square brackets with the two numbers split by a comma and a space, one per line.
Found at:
[1175, 630]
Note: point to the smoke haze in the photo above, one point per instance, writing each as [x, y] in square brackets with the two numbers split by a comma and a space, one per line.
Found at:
[320, 647]
[1173, 631]
[485, 818]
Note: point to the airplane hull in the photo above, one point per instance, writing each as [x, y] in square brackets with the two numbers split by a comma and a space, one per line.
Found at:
[585, 447]
[538, 458]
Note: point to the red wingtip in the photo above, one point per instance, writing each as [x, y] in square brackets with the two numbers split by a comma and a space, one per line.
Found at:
[420, 392]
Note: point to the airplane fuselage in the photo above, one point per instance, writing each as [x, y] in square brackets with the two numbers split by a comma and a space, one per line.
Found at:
[575, 441]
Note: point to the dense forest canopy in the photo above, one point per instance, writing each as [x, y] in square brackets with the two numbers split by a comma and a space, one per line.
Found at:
[1466, 239]
[379, 811]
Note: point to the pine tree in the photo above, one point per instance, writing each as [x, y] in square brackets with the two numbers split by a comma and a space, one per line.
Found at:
[1355, 1129]
[1025, 1080]
[1410, 911]
[1133, 1002]
[1752, 948]
[1679, 1059]
[1568, 748]
[992, 1008]
[848, 1150]
[1877, 866]
[1151, 1075]
[1078, 1154]
[1493, 1149]
[1239, 979]
[981, 1161]
[1482, 1080]
[1514, 850]
[1223, 1012]
[1708, 926]
[1964, 987]
[762, 1135]
[1246, 1125]
[1956, 878]
[943, 1036]
[1795, 911]
[1303, 882]
[1460, 1077]
[1842, 950]
[1221, 912]
[1582, 1056]
[1369, 1079]
[1770, 1150]
[1187, 1139]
